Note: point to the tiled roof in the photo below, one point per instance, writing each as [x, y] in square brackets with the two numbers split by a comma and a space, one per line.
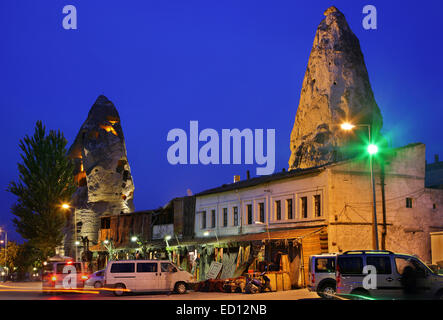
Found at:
[262, 179]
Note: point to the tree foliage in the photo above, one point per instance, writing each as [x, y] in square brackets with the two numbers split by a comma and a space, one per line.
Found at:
[46, 180]
[19, 258]
[8, 256]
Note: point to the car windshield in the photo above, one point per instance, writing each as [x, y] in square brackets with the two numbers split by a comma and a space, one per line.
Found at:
[416, 262]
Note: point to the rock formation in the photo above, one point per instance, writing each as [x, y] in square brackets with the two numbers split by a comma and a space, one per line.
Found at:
[335, 89]
[103, 175]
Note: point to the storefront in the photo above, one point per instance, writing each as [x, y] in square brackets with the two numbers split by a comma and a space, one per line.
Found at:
[284, 251]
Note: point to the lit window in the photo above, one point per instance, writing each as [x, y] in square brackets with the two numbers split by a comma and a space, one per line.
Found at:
[212, 218]
[235, 214]
[108, 129]
[289, 208]
[204, 220]
[278, 210]
[304, 207]
[261, 210]
[225, 217]
[249, 206]
[317, 205]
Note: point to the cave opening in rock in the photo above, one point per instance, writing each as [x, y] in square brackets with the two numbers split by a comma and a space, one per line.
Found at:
[109, 128]
[120, 166]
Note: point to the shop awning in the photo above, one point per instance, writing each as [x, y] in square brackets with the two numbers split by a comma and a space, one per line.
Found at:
[280, 234]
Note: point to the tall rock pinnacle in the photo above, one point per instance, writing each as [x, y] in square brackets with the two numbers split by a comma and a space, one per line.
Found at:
[335, 89]
[103, 175]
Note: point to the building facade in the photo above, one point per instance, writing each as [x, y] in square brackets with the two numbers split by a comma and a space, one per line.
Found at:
[331, 204]
[144, 234]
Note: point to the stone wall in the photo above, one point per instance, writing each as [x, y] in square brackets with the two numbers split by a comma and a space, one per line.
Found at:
[407, 229]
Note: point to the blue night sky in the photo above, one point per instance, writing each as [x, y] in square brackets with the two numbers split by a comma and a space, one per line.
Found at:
[227, 64]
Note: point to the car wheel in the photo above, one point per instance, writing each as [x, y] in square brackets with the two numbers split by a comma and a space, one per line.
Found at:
[180, 288]
[119, 289]
[98, 284]
[327, 290]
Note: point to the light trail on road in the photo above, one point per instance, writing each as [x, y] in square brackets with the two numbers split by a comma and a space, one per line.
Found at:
[5, 288]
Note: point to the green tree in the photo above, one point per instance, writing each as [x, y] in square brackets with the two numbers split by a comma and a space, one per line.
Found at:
[19, 258]
[46, 180]
[9, 256]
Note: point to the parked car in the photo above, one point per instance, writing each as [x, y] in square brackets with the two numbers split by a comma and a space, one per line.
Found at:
[96, 279]
[322, 274]
[398, 276]
[146, 276]
[54, 274]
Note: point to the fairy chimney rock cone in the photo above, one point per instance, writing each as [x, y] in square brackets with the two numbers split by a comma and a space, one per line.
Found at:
[335, 89]
[103, 175]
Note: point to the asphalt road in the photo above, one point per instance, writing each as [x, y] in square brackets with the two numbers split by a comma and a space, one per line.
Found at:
[32, 291]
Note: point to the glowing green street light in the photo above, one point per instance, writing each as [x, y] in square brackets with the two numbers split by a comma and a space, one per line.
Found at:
[372, 149]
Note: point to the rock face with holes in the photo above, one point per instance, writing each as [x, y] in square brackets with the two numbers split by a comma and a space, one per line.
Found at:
[103, 175]
[335, 89]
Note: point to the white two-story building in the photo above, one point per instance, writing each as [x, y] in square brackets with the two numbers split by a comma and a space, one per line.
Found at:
[328, 208]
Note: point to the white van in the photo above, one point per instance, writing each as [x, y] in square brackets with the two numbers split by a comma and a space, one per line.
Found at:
[145, 276]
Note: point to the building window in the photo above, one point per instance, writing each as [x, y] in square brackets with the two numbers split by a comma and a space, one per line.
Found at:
[317, 205]
[289, 208]
[261, 211]
[204, 220]
[249, 208]
[408, 202]
[212, 218]
[278, 210]
[235, 214]
[434, 206]
[225, 217]
[106, 223]
[304, 207]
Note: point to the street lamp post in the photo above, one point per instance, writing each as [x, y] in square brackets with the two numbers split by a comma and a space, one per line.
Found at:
[167, 238]
[372, 149]
[267, 228]
[6, 250]
[176, 238]
[76, 243]
[108, 245]
[206, 233]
